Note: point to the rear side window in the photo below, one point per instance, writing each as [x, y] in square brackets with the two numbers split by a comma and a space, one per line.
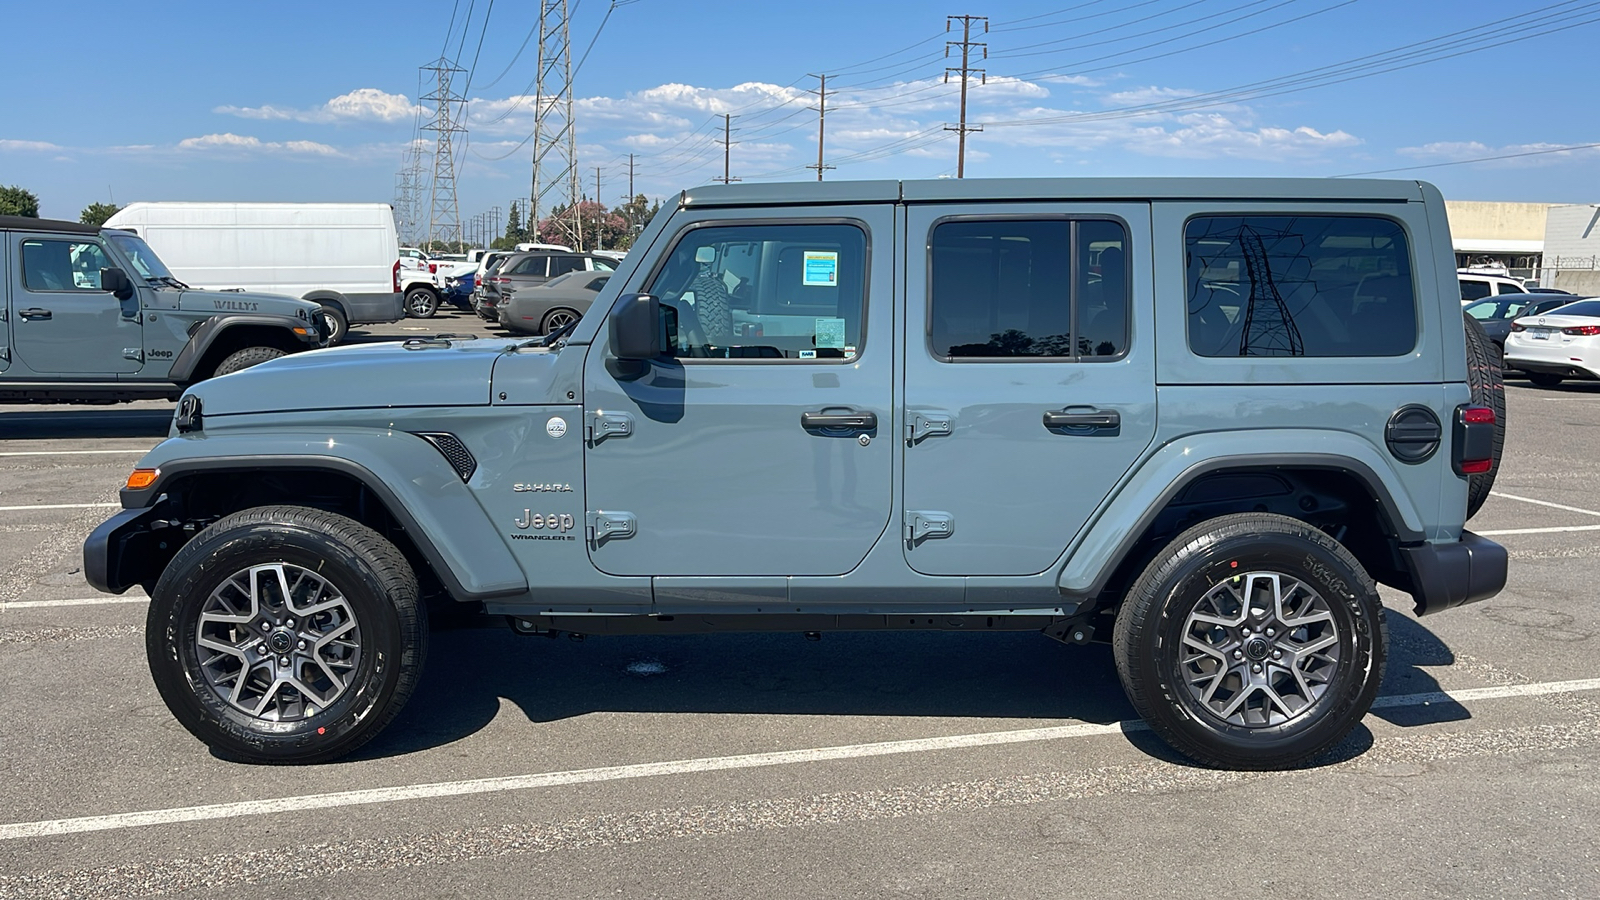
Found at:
[1473, 290]
[561, 265]
[1018, 288]
[532, 265]
[1510, 288]
[1312, 286]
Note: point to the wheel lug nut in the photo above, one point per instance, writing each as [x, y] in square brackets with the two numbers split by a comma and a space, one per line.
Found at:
[302, 645]
[290, 624]
[1256, 668]
[1245, 629]
[284, 661]
[1272, 632]
[1277, 654]
[1238, 654]
[262, 649]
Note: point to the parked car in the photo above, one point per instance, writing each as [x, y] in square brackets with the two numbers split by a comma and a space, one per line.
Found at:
[1477, 285]
[343, 256]
[525, 270]
[1496, 314]
[93, 315]
[554, 304]
[980, 405]
[1535, 289]
[1556, 345]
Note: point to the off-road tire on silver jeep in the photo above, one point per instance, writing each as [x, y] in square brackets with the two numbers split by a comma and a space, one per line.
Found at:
[244, 359]
[421, 303]
[1485, 378]
[1311, 608]
[354, 635]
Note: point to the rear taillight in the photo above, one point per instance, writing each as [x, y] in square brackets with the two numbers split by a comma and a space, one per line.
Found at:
[1474, 440]
[1518, 327]
[1586, 330]
[396, 276]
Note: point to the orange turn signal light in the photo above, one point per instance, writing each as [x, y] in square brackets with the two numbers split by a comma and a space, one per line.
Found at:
[140, 479]
[299, 330]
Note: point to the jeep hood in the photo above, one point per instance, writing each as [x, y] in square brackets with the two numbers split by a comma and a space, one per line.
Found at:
[198, 300]
[415, 373]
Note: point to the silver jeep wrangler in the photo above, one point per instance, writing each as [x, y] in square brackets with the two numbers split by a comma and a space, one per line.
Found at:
[1200, 419]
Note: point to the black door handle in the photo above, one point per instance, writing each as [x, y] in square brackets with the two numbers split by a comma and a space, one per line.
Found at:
[1083, 417]
[34, 313]
[846, 421]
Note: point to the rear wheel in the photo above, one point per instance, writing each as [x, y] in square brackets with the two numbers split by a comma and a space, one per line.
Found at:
[557, 318]
[1485, 379]
[1545, 379]
[334, 324]
[244, 359]
[422, 303]
[1253, 641]
[286, 635]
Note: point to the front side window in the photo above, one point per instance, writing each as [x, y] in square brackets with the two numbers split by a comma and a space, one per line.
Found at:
[1289, 286]
[62, 265]
[1047, 288]
[765, 292]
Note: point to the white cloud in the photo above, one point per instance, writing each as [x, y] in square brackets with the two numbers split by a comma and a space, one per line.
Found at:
[360, 105]
[229, 141]
[28, 146]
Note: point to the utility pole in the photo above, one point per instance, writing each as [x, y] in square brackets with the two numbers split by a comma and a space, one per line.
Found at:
[822, 93]
[727, 142]
[444, 209]
[599, 213]
[966, 71]
[630, 177]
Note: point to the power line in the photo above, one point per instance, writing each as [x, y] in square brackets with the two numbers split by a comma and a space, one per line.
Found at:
[1468, 162]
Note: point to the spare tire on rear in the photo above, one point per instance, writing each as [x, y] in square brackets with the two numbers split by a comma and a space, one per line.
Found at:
[1488, 389]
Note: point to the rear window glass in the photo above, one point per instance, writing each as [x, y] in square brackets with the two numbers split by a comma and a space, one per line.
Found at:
[1312, 286]
[1581, 308]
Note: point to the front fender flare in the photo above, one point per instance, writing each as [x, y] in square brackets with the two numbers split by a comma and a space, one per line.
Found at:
[201, 339]
[1135, 504]
[414, 482]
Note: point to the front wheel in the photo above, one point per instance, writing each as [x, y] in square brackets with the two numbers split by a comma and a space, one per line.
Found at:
[284, 634]
[421, 303]
[1252, 641]
[244, 359]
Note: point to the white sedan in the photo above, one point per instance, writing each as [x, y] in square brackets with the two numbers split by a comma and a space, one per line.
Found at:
[1561, 343]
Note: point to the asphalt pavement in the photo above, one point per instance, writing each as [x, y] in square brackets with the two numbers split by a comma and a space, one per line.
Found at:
[861, 765]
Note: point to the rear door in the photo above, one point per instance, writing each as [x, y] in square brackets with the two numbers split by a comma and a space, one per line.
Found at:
[63, 323]
[1029, 377]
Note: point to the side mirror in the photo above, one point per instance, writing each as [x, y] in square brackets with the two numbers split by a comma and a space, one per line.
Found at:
[636, 327]
[116, 282]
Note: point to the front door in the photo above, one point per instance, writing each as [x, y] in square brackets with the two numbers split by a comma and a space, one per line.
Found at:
[763, 447]
[1030, 377]
[62, 322]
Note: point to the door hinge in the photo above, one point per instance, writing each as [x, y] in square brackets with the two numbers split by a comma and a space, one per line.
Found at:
[605, 526]
[133, 353]
[928, 524]
[924, 425]
[604, 425]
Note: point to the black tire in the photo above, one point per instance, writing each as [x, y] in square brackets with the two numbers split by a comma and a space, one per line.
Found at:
[1486, 379]
[375, 582]
[1543, 379]
[556, 318]
[422, 302]
[1154, 617]
[335, 325]
[244, 359]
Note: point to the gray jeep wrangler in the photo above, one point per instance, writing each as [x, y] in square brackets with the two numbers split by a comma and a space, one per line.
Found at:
[91, 315]
[1196, 418]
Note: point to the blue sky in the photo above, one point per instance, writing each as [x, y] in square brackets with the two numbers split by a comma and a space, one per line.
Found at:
[299, 101]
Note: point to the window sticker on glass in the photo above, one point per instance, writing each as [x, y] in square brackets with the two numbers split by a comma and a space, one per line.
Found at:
[830, 334]
[808, 354]
[821, 268]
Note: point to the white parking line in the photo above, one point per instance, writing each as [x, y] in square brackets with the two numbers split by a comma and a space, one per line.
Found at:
[306, 802]
[72, 452]
[1576, 509]
[1551, 530]
[84, 601]
[59, 506]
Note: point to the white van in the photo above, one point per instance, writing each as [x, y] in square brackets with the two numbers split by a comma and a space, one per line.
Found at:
[341, 255]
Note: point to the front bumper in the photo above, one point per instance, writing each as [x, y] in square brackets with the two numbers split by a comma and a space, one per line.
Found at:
[129, 549]
[1445, 576]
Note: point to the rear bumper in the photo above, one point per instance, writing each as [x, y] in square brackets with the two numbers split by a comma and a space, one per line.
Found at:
[1445, 576]
[375, 309]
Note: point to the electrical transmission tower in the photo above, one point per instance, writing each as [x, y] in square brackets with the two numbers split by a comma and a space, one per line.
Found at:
[408, 192]
[966, 71]
[444, 208]
[555, 151]
[1269, 329]
[822, 93]
[727, 143]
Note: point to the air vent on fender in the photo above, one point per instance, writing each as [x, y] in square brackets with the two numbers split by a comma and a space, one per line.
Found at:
[453, 450]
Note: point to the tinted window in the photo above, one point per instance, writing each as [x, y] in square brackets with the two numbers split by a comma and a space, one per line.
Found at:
[1474, 290]
[766, 292]
[1510, 288]
[1299, 286]
[1581, 308]
[597, 282]
[532, 265]
[62, 265]
[561, 265]
[1028, 288]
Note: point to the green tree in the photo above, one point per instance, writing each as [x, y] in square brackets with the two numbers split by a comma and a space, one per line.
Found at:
[97, 213]
[516, 232]
[17, 201]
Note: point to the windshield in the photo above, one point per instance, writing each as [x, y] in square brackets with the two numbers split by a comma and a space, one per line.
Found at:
[144, 259]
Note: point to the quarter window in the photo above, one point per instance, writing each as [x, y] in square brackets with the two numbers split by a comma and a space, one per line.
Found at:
[1314, 286]
[1018, 288]
[765, 292]
[62, 265]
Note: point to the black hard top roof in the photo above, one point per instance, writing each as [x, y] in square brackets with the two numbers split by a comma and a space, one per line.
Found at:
[28, 223]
